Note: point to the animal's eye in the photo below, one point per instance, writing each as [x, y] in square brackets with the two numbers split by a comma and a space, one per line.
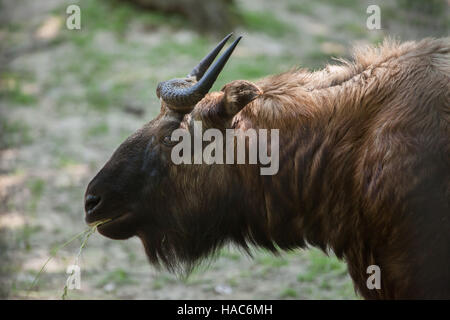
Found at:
[166, 140]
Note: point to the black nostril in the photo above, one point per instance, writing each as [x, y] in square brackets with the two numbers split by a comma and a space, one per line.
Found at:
[91, 202]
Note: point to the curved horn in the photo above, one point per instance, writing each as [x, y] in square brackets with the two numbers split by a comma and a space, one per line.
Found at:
[201, 68]
[179, 93]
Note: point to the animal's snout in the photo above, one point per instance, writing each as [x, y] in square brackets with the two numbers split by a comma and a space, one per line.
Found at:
[91, 202]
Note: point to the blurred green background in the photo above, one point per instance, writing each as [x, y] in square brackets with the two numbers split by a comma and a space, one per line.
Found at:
[69, 97]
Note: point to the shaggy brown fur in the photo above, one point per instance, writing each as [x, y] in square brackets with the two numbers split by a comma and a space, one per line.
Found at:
[364, 172]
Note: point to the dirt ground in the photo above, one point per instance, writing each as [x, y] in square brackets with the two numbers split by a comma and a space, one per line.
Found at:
[68, 98]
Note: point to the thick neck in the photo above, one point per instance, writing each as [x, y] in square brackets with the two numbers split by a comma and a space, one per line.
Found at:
[310, 198]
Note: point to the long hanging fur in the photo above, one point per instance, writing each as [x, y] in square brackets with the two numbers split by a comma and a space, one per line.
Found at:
[364, 171]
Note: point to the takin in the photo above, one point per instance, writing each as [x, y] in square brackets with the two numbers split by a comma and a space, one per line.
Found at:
[364, 169]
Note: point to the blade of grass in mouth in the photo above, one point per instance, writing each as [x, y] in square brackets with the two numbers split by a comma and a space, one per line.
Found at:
[86, 233]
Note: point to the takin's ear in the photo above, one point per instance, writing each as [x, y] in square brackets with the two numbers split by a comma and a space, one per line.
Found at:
[237, 95]
[219, 109]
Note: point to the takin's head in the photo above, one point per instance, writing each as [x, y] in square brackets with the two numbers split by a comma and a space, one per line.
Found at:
[180, 212]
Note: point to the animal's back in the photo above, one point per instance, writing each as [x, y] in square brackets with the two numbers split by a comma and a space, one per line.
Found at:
[405, 175]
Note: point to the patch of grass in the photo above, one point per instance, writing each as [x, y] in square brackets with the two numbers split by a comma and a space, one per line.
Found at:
[103, 98]
[24, 234]
[54, 250]
[118, 277]
[14, 133]
[266, 22]
[116, 16]
[376, 38]
[322, 38]
[317, 59]
[154, 19]
[307, 292]
[225, 253]
[357, 30]
[124, 134]
[303, 7]
[36, 187]
[132, 256]
[325, 285]
[157, 285]
[272, 261]
[168, 50]
[11, 88]
[355, 4]
[161, 281]
[103, 88]
[62, 207]
[106, 15]
[245, 274]
[347, 291]
[99, 99]
[98, 129]
[288, 293]
[65, 161]
[306, 277]
[233, 282]
[12, 26]
[17, 96]
[430, 7]
[94, 63]
[321, 265]
[194, 278]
